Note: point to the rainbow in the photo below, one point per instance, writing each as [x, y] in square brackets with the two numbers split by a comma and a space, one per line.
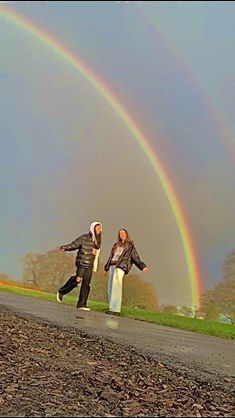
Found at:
[103, 90]
[217, 117]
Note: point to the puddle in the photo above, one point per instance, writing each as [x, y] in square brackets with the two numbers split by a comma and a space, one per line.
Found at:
[110, 323]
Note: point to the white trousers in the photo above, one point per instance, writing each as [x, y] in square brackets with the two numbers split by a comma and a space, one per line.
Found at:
[115, 281]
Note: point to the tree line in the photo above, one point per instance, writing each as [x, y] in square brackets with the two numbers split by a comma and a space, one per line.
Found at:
[50, 270]
[221, 298]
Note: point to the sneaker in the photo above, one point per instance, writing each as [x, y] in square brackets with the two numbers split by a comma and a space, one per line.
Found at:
[83, 308]
[113, 313]
[59, 297]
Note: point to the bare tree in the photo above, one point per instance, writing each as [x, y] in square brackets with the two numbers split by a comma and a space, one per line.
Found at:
[58, 267]
[33, 265]
[47, 271]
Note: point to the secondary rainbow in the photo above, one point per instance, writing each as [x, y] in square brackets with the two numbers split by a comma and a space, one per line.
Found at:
[217, 117]
[70, 58]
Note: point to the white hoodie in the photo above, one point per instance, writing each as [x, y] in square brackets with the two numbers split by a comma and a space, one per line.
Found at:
[92, 230]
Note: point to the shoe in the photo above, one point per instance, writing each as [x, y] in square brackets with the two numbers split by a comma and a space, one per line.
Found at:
[59, 297]
[113, 313]
[83, 308]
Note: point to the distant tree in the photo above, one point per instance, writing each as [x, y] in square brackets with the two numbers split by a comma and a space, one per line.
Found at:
[170, 309]
[5, 278]
[224, 298]
[32, 265]
[221, 298]
[47, 271]
[223, 294]
[140, 293]
[229, 266]
[225, 291]
[185, 310]
[58, 267]
[208, 307]
[136, 292]
[99, 285]
[195, 311]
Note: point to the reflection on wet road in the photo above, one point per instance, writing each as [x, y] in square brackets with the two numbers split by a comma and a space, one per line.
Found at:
[170, 345]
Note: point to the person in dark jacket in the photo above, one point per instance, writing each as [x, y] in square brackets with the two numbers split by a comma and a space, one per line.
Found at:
[88, 246]
[123, 254]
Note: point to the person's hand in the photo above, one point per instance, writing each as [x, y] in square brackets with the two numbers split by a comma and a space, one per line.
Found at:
[62, 250]
[94, 251]
[104, 273]
[145, 269]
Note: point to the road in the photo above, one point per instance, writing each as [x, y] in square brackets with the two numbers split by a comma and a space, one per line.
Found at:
[206, 356]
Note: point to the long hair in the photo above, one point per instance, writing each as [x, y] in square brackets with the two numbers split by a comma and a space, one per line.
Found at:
[128, 238]
[98, 241]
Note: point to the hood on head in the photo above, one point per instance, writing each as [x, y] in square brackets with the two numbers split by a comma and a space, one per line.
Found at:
[92, 229]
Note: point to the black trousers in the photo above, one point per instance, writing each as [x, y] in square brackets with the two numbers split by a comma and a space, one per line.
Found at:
[85, 273]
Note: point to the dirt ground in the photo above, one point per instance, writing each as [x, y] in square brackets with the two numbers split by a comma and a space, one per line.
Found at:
[48, 370]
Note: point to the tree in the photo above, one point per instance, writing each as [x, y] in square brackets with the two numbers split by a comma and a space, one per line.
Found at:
[33, 265]
[208, 306]
[229, 266]
[47, 271]
[99, 285]
[58, 267]
[5, 278]
[136, 292]
[224, 298]
[185, 310]
[169, 309]
[221, 298]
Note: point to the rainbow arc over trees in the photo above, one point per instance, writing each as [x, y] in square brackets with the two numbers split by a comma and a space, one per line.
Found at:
[71, 59]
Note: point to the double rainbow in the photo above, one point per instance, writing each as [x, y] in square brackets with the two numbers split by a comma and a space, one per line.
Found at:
[103, 90]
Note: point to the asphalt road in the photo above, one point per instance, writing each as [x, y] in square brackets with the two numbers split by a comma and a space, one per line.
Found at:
[210, 358]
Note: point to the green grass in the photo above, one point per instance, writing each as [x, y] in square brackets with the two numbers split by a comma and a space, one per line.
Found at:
[190, 324]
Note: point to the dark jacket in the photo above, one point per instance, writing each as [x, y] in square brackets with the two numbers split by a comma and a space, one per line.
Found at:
[84, 244]
[128, 257]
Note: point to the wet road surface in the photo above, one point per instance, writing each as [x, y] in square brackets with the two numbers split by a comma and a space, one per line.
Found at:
[204, 355]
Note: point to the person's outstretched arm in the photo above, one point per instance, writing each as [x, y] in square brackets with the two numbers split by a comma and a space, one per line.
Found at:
[74, 245]
[135, 258]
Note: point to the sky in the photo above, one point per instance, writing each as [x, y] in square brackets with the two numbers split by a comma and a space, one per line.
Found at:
[68, 158]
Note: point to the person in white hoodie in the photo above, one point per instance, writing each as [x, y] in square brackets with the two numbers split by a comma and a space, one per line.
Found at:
[88, 246]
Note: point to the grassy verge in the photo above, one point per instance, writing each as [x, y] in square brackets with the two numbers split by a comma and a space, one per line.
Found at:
[190, 324]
